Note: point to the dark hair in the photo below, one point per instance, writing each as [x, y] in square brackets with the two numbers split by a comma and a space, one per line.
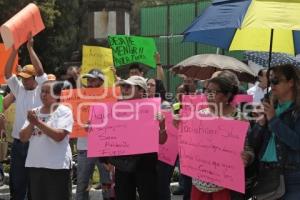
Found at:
[261, 72]
[290, 72]
[56, 87]
[226, 85]
[135, 66]
[160, 90]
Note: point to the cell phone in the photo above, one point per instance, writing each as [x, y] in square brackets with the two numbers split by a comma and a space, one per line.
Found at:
[266, 98]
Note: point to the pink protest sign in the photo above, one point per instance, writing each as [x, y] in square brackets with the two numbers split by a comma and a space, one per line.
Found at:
[210, 150]
[15, 31]
[168, 152]
[124, 128]
[242, 98]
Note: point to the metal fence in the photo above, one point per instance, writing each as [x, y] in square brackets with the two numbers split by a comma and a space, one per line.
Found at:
[165, 24]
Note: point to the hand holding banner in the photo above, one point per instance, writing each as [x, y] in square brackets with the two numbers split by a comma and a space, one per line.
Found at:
[132, 49]
[15, 31]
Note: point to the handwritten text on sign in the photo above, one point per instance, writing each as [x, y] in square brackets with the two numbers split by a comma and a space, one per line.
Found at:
[80, 100]
[210, 150]
[168, 152]
[123, 128]
[99, 58]
[130, 49]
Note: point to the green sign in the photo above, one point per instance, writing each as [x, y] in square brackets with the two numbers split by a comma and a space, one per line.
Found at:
[132, 49]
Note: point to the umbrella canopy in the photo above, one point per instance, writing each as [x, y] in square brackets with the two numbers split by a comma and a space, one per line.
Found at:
[262, 58]
[247, 25]
[203, 66]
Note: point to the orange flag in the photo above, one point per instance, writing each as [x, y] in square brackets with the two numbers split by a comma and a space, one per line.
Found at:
[4, 54]
[15, 31]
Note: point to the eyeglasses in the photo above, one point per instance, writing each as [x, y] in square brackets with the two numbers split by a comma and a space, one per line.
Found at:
[211, 91]
[275, 81]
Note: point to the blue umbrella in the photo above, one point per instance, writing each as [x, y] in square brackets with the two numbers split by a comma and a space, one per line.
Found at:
[248, 25]
[262, 58]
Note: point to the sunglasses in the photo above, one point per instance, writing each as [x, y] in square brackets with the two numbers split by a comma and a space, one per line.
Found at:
[275, 81]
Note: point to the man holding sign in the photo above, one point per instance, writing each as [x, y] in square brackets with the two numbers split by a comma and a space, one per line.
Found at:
[27, 94]
[95, 79]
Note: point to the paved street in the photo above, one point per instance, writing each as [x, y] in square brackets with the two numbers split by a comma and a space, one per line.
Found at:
[94, 194]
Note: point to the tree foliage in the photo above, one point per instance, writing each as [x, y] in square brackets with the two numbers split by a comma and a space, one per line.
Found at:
[66, 25]
[55, 44]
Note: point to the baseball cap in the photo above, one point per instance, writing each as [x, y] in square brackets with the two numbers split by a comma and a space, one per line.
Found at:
[94, 73]
[27, 71]
[134, 80]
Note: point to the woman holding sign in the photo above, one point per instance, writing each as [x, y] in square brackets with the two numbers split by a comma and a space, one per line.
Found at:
[220, 92]
[277, 136]
[49, 155]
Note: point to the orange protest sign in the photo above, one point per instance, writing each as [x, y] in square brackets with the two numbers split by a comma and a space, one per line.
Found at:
[15, 31]
[80, 100]
[4, 54]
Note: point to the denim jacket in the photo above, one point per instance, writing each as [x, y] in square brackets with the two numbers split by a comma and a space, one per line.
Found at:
[286, 128]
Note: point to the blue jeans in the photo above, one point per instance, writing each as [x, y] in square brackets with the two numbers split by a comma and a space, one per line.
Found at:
[85, 169]
[18, 174]
[292, 186]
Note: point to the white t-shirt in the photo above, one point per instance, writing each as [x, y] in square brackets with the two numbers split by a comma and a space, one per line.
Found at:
[43, 151]
[257, 92]
[25, 100]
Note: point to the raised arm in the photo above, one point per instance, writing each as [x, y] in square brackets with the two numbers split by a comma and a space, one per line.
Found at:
[159, 69]
[10, 62]
[34, 58]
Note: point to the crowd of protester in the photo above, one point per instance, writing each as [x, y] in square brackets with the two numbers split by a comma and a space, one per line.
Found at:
[41, 154]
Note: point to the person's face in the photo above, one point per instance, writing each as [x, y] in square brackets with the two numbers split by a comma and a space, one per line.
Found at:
[214, 94]
[73, 71]
[263, 80]
[151, 87]
[29, 83]
[94, 82]
[135, 72]
[279, 85]
[130, 92]
[190, 83]
[47, 97]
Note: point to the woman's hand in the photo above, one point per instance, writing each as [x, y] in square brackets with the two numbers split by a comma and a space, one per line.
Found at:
[162, 121]
[176, 120]
[246, 157]
[32, 117]
[269, 110]
[162, 128]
